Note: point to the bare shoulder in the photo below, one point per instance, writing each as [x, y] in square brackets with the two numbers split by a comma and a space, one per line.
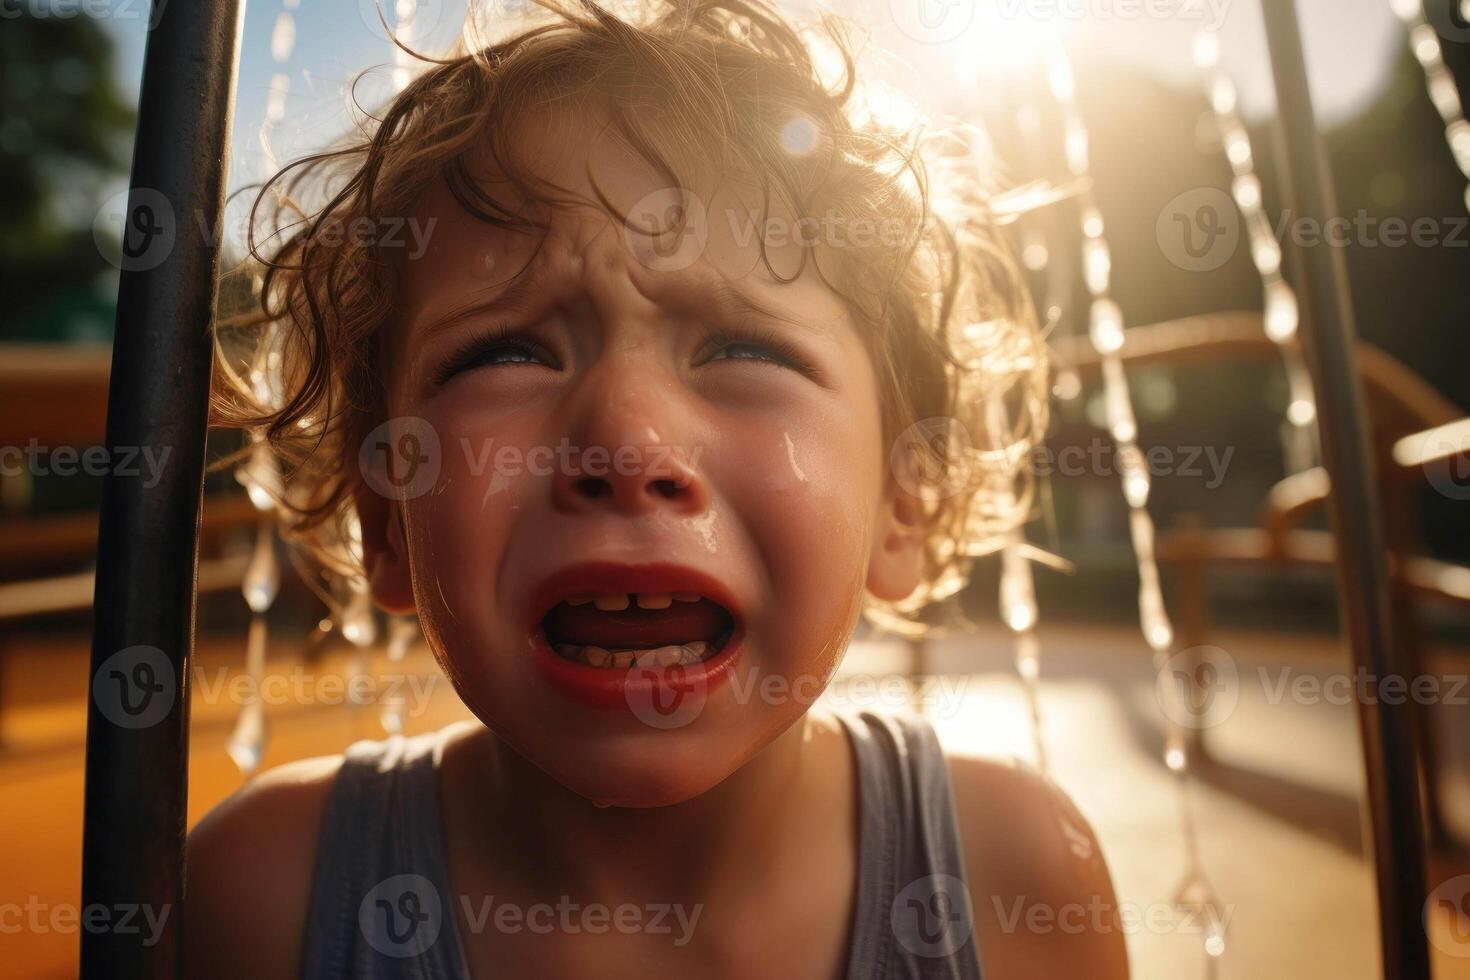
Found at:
[1043, 899]
[249, 871]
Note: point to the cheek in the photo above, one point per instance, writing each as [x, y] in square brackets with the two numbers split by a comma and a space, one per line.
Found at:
[807, 493]
[490, 471]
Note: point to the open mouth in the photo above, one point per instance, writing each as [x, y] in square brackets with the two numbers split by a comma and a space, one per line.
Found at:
[621, 630]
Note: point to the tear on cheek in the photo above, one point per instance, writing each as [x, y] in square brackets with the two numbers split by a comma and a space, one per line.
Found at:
[782, 466]
[498, 485]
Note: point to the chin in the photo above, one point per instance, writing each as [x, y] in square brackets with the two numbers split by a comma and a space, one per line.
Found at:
[653, 770]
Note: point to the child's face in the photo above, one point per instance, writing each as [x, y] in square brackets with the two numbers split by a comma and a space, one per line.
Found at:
[635, 429]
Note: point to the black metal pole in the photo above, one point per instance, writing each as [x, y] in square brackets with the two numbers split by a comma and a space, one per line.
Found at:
[1328, 338]
[147, 549]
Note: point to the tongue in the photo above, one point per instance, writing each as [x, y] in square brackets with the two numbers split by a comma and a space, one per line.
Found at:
[683, 622]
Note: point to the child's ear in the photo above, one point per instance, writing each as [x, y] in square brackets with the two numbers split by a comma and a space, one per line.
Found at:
[385, 551]
[897, 563]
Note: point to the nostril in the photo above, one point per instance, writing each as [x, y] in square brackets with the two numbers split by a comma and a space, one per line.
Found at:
[593, 487]
[668, 489]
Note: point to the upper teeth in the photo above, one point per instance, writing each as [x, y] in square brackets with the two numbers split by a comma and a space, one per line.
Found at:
[615, 601]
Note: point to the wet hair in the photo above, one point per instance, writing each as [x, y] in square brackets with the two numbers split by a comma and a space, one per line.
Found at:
[960, 361]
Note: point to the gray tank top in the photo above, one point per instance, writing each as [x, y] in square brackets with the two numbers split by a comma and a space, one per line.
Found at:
[381, 904]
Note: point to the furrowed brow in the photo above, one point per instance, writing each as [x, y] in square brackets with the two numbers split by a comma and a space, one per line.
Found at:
[520, 296]
[732, 304]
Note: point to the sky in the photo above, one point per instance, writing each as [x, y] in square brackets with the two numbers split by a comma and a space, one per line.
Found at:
[935, 46]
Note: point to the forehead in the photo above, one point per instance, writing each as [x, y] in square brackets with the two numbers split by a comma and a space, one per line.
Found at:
[681, 237]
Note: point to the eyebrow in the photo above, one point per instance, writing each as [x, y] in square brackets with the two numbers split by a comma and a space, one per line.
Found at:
[514, 298]
[729, 302]
[732, 304]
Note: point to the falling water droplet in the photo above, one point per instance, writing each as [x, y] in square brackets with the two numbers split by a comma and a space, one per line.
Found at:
[1197, 895]
[263, 575]
[247, 742]
[401, 633]
[358, 625]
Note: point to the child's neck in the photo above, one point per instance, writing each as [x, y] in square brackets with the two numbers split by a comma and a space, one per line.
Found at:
[775, 811]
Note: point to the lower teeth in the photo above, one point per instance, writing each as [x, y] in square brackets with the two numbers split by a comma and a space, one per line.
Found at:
[665, 656]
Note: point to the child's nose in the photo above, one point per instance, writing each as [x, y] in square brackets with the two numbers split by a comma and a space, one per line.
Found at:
[626, 453]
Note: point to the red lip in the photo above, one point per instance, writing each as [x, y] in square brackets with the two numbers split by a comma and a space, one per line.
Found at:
[609, 688]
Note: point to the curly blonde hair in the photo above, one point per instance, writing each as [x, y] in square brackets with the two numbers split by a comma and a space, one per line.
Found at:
[944, 311]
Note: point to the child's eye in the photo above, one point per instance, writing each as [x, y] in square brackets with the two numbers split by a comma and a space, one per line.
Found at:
[745, 351]
[768, 349]
[507, 354]
[495, 351]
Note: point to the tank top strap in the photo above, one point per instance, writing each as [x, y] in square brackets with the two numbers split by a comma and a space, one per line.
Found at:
[913, 913]
[381, 907]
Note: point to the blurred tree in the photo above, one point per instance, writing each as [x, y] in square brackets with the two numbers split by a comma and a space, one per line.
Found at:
[65, 136]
